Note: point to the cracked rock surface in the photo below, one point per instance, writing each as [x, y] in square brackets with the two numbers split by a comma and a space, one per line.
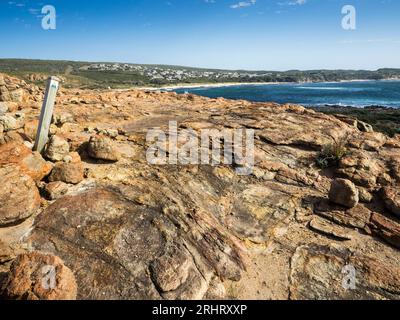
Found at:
[128, 229]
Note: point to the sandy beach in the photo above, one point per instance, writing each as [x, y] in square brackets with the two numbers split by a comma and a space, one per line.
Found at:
[207, 85]
[233, 84]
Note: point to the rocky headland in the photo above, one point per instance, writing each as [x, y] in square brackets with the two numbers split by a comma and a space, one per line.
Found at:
[116, 227]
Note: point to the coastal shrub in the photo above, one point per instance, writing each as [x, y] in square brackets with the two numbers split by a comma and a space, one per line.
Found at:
[332, 153]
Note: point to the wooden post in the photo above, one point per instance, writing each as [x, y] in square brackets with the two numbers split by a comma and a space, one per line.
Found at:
[46, 114]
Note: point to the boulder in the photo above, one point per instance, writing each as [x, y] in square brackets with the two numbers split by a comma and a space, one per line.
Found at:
[67, 172]
[17, 95]
[30, 163]
[102, 148]
[12, 122]
[4, 94]
[57, 149]
[19, 196]
[3, 108]
[171, 270]
[39, 276]
[55, 190]
[30, 129]
[391, 197]
[344, 192]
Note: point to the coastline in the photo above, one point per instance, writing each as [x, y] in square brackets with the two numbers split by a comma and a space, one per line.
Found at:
[235, 84]
[209, 85]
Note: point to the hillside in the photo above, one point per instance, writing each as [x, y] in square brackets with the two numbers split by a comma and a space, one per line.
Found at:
[93, 75]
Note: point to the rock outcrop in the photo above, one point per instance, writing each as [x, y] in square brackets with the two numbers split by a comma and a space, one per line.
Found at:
[391, 197]
[128, 229]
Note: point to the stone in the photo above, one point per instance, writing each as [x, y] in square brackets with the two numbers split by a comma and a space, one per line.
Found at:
[63, 118]
[6, 253]
[384, 179]
[72, 157]
[55, 190]
[57, 148]
[17, 95]
[318, 272]
[102, 148]
[344, 192]
[391, 197]
[359, 167]
[140, 252]
[30, 129]
[40, 276]
[30, 163]
[216, 290]
[12, 106]
[4, 94]
[329, 229]
[67, 172]
[112, 133]
[53, 129]
[3, 108]
[364, 127]
[170, 270]
[19, 196]
[365, 196]
[387, 229]
[132, 230]
[356, 218]
[10, 122]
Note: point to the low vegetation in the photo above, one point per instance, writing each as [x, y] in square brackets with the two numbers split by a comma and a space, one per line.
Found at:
[332, 153]
[385, 120]
[122, 75]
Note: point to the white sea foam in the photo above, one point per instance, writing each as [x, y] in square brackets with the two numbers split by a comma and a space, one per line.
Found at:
[324, 88]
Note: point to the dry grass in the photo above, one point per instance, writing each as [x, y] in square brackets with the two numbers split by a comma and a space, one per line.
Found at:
[332, 153]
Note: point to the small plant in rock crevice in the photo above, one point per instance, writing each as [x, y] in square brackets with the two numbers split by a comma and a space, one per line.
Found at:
[332, 153]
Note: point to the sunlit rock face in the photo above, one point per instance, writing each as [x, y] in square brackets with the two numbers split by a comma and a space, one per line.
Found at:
[128, 229]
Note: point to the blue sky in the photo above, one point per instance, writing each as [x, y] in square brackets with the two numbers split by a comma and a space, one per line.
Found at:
[232, 34]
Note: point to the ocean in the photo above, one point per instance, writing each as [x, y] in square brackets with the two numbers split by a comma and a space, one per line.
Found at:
[356, 93]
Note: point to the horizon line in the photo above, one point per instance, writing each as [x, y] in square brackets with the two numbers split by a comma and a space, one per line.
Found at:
[198, 67]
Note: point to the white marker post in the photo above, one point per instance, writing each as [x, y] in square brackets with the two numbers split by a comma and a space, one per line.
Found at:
[46, 114]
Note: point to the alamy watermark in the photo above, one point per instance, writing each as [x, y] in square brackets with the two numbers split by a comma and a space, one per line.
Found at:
[349, 280]
[349, 21]
[49, 20]
[211, 147]
[49, 277]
